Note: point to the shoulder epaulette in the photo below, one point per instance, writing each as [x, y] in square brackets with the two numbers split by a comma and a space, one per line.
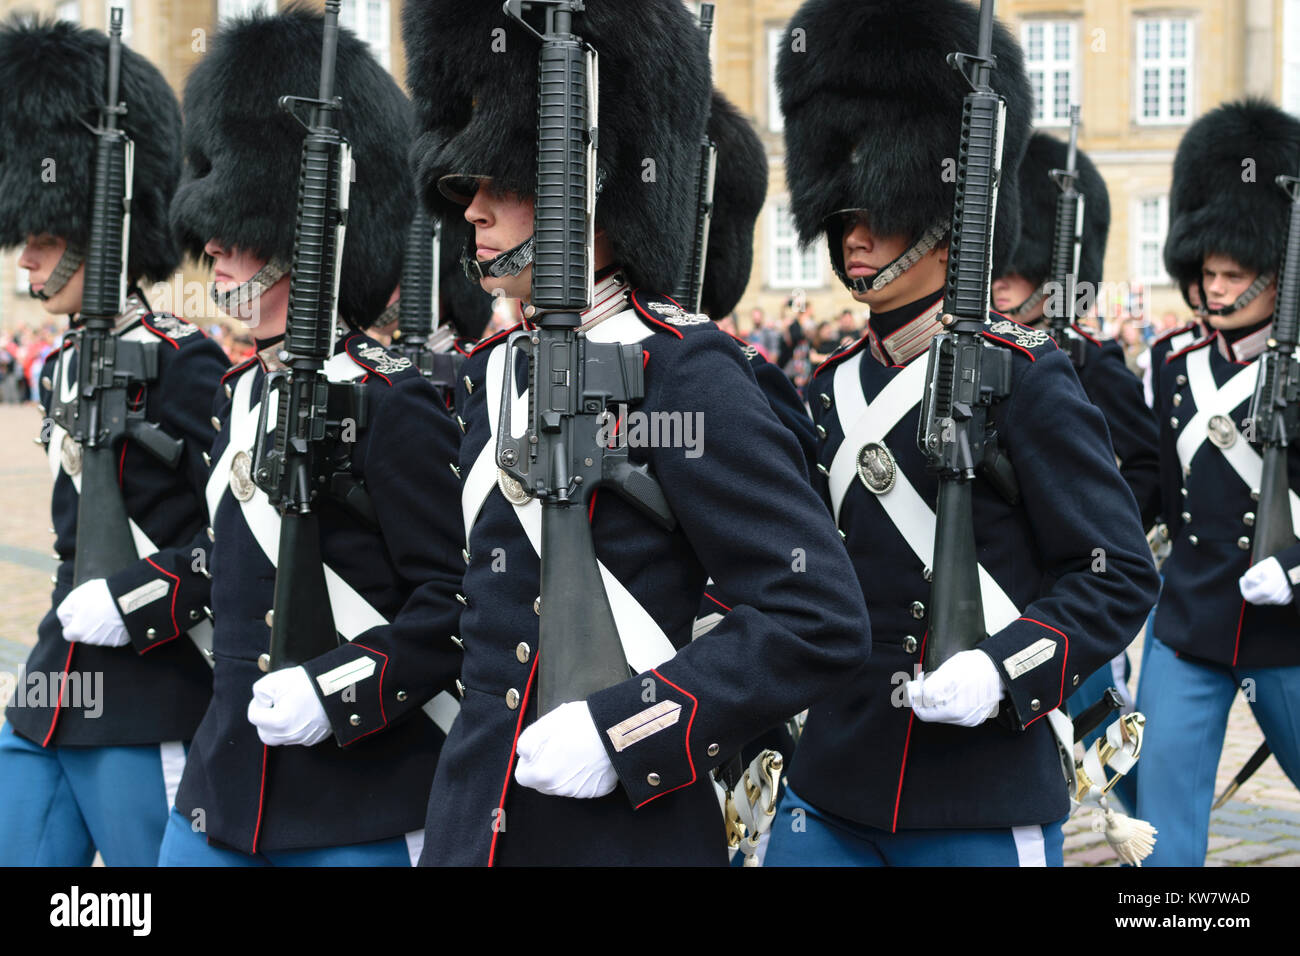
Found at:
[169, 327]
[1189, 327]
[840, 354]
[377, 360]
[1198, 344]
[664, 315]
[1009, 332]
[1084, 333]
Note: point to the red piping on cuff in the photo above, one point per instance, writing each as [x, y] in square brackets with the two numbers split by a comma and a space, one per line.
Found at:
[382, 716]
[689, 760]
[176, 590]
[1064, 659]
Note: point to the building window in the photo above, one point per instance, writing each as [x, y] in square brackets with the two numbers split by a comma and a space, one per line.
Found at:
[231, 9]
[776, 37]
[1051, 60]
[369, 20]
[69, 11]
[789, 267]
[1164, 71]
[1150, 223]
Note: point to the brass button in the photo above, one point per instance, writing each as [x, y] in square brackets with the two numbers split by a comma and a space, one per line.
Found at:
[523, 652]
[461, 422]
[713, 750]
[918, 610]
[537, 605]
[458, 642]
[401, 695]
[1181, 380]
[460, 689]
[1248, 519]
[652, 779]
[151, 634]
[826, 400]
[195, 614]
[462, 599]
[355, 720]
[207, 459]
[216, 422]
[512, 699]
[469, 386]
[212, 535]
[1034, 704]
[229, 392]
[1243, 543]
[1254, 494]
[47, 383]
[1178, 400]
[454, 470]
[821, 433]
[1075, 681]
[269, 618]
[1183, 491]
[464, 554]
[823, 469]
[909, 644]
[928, 574]
[1187, 518]
[843, 536]
[1173, 421]
[1193, 540]
[264, 663]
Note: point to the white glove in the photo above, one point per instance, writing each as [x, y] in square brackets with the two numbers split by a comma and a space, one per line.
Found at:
[89, 615]
[286, 710]
[1263, 583]
[561, 755]
[964, 690]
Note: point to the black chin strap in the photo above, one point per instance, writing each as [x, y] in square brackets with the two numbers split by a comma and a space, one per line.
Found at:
[73, 256]
[1262, 282]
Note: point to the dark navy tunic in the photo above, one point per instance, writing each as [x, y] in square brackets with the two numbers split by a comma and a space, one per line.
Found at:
[1206, 397]
[1071, 556]
[794, 633]
[156, 688]
[372, 781]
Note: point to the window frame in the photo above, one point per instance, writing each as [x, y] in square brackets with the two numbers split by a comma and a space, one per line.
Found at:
[1164, 64]
[1050, 66]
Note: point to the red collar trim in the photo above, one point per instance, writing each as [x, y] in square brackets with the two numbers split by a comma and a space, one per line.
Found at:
[1079, 329]
[240, 367]
[496, 338]
[843, 354]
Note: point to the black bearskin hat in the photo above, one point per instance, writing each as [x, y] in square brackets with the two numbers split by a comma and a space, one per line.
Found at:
[1223, 198]
[1038, 196]
[54, 76]
[464, 303]
[873, 114]
[472, 73]
[242, 151]
[739, 190]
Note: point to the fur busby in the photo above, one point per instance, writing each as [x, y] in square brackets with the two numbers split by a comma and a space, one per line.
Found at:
[1223, 198]
[472, 73]
[1038, 197]
[464, 303]
[873, 113]
[739, 190]
[242, 151]
[54, 76]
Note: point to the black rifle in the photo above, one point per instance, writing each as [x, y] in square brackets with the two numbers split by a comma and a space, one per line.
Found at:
[1060, 306]
[691, 285]
[966, 374]
[420, 336]
[562, 457]
[1274, 408]
[313, 414]
[101, 416]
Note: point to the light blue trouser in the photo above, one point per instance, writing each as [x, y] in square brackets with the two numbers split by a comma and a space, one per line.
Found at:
[58, 805]
[1186, 704]
[803, 835]
[182, 846]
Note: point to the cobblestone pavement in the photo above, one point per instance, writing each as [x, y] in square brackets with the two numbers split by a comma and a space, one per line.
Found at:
[1260, 826]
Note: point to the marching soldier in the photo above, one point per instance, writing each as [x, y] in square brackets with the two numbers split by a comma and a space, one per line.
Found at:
[263, 783]
[1221, 622]
[620, 777]
[957, 766]
[94, 742]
